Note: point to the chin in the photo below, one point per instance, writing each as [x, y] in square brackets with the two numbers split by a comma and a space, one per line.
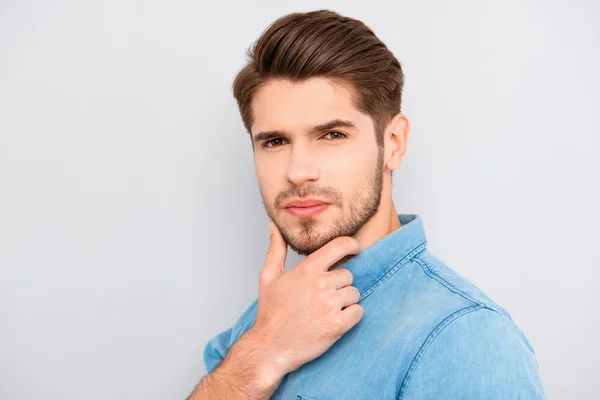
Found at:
[309, 242]
[304, 249]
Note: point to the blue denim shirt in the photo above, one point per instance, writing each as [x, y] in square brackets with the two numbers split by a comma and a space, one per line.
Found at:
[427, 333]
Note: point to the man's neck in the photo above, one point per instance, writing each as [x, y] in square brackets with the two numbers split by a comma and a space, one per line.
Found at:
[384, 222]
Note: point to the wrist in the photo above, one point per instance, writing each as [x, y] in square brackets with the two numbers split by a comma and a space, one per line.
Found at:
[263, 366]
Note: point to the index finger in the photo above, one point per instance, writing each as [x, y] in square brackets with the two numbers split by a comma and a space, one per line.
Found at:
[333, 251]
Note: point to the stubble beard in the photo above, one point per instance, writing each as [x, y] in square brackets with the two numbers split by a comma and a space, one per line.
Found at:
[355, 213]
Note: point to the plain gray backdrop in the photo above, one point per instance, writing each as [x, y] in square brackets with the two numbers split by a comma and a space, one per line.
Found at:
[131, 225]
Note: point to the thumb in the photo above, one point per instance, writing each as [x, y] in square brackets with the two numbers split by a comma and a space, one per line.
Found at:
[275, 262]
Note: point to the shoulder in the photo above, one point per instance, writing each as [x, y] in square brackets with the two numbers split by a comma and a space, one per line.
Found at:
[470, 346]
[434, 295]
[457, 297]
[439, 273]
[218, 346]
[474, 354]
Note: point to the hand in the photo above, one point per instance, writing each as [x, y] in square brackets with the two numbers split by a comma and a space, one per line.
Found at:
[303, 312]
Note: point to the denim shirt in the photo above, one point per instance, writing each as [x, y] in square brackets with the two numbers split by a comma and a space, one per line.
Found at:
[426, 333]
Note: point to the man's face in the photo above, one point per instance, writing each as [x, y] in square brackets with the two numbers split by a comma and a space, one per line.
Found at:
[311, 143]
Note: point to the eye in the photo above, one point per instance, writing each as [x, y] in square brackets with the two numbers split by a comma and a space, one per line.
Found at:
[335, 135]
[273, 142]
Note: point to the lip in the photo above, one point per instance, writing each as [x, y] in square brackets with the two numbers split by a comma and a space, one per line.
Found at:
[306, 208]
[307, 212]
[304, 203]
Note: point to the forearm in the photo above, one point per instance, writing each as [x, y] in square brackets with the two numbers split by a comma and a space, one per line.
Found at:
[246, 373]
[219, 386]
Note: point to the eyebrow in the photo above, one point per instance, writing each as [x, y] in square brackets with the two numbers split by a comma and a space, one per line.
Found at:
[336, 123]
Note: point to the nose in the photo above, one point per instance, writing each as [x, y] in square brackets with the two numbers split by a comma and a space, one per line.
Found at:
[302, 166]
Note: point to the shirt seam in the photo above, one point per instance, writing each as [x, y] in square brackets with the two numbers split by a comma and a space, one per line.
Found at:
[429, 271]
[393, 270]
[427, 343]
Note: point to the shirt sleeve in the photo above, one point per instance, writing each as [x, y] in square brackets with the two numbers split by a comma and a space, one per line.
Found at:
[479, 355]
[217, 347]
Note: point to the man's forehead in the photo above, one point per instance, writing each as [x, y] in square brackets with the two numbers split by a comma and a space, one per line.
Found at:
[286, 105]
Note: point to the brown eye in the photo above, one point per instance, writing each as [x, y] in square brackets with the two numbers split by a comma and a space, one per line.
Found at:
[335, 135]
[273, 143]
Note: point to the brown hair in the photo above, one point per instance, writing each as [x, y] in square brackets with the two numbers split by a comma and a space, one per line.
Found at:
[323, 43]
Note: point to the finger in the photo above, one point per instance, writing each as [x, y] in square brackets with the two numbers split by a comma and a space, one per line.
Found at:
[347, 296]
[274, 265]
[352, 314]
[341, 277]
[333, 251]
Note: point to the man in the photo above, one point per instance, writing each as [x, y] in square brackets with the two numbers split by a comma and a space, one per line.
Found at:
[370, 313]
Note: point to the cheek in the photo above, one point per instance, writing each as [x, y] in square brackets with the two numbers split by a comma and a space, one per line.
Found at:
[349, 166]
[267, 179]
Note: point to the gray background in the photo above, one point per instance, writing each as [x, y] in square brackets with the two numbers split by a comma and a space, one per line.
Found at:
[131, 226]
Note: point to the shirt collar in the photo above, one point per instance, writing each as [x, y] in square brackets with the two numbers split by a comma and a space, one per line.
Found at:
[384, 257]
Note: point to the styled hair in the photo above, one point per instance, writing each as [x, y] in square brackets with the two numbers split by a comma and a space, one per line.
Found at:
[324, 44]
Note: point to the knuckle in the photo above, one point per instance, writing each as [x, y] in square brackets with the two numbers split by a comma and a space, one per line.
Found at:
[303, 269]
[348, 275]
[360, 311]
[323, 333]
[331, 303]
[262, 275]
[335, 244]
[343, 241]
[336, 326]
[321, 283]
[272, 246]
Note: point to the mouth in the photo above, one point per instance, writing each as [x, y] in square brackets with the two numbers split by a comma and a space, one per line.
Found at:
[307, 212]
[306, 208]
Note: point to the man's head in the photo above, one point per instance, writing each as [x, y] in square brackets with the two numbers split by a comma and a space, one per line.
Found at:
[321, 97]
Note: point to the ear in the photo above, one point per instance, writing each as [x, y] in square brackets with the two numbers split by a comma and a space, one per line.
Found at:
[396, 137]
